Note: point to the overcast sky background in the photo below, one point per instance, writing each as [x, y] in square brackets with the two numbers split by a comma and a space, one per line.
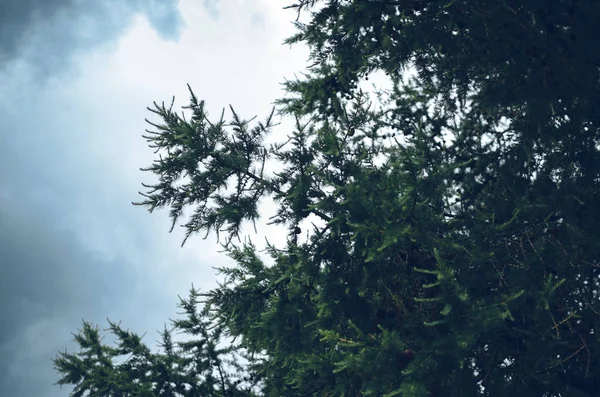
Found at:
[75, 79]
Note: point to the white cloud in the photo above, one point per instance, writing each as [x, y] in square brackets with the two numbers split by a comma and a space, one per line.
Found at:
[230, 60]
[233, 60]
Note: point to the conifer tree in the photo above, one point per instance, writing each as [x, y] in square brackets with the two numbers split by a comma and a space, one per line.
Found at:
[442, 230]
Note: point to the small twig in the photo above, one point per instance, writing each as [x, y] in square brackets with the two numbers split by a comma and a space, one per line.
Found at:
[559, 324]
[565, 359]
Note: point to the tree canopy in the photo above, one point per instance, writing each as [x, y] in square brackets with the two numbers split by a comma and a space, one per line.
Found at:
[443, 229]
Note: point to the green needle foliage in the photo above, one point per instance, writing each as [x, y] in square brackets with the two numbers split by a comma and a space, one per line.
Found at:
[456, 248]
[196, 366]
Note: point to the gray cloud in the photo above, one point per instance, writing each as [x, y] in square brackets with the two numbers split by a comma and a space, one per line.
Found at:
[48, 280]
[43, 35]
[212, 7]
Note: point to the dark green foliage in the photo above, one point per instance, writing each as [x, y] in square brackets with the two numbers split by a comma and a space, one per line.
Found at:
[196, 366]
[466, 267]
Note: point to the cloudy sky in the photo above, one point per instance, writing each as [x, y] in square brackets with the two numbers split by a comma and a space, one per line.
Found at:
[75, 79]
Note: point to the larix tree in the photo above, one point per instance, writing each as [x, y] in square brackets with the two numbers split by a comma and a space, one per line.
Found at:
[457, 249]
